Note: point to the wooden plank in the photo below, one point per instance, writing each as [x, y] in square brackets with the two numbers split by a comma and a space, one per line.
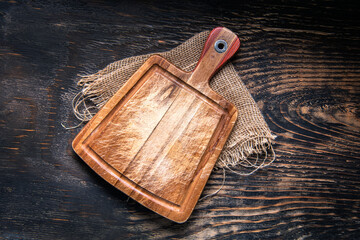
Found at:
[159, 136]
[300, 60]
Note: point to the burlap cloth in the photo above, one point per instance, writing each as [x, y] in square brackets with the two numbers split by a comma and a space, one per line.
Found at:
[250, 139]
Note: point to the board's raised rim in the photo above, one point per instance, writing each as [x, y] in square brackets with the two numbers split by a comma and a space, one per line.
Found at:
[163, 207]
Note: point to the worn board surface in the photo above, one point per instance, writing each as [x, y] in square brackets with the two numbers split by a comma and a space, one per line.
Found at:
[299, 60]
[158, 138]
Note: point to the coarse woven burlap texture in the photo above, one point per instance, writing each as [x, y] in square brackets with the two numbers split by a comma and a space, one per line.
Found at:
[250, 140]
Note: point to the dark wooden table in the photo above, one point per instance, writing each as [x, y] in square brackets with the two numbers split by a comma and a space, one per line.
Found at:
[300, 60]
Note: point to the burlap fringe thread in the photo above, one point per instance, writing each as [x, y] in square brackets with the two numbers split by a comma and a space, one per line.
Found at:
[250, 143]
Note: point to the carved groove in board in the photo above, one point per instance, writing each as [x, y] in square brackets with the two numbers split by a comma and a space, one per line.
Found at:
[118, 177]
[166, 103]
[136, 189]
[175, 165]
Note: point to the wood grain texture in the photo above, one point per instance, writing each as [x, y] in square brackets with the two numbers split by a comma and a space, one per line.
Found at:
[300, 60]
[158, 138]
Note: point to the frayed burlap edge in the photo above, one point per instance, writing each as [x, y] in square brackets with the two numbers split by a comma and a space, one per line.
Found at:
[250, 143]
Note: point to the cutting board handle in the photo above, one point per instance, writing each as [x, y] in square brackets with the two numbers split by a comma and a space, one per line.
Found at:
[220, 45]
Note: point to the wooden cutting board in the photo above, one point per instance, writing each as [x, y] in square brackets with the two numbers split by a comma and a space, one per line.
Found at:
[158, 138]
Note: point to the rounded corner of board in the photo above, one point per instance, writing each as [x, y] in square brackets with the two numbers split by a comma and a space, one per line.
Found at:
[179, 216]
[182, 219]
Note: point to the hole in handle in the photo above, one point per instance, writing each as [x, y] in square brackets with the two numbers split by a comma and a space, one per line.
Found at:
[220, 46]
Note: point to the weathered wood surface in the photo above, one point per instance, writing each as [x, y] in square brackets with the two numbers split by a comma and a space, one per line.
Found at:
[299, 60]
[158, 138]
